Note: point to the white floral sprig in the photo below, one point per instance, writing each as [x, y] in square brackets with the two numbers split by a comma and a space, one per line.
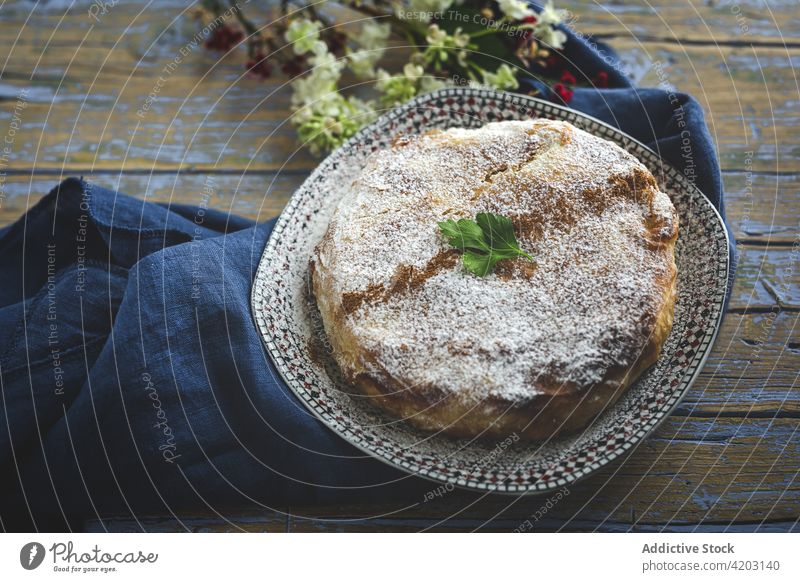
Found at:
[515, 9]
[370, 45]
[504, 78]
[545, 30]
[321, 55]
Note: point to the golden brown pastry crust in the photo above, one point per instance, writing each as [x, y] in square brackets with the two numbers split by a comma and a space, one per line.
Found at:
[540, 357]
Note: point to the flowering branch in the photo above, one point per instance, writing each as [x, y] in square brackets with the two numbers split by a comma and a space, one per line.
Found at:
[452, 41]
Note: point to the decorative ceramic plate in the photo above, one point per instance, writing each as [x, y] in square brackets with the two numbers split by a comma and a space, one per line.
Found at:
[292, 331]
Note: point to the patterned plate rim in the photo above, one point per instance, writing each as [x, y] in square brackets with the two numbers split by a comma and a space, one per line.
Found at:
[631, 442]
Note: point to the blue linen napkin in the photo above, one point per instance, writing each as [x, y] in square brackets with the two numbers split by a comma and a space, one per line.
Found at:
[133, 379]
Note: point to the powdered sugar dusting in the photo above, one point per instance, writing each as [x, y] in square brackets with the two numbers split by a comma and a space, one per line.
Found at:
[585, 306]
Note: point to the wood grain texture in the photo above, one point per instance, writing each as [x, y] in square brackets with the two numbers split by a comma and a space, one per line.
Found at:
[691, 21]
[672, 481]
[762, 208]
[727, 459]
[208, 115]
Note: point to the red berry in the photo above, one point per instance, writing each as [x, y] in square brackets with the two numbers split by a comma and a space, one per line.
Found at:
[563, 92]
[568, 78]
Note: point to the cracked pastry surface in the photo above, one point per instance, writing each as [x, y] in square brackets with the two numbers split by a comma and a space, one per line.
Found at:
[537, 349]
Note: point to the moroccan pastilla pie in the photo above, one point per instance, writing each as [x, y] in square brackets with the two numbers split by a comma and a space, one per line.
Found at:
[515, 278]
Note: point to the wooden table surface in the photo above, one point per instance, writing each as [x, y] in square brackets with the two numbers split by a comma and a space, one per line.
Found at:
[727, 459]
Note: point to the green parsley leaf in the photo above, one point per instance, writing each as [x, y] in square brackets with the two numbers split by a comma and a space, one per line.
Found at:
[464, 234]
[485, 241]
[499, 232]
[479, 264]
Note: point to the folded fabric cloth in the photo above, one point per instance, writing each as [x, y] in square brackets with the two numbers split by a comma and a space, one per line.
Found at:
[133, 378]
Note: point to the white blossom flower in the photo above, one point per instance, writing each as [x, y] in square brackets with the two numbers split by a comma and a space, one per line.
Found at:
[504, 78]
[460, 38]
[436, 37]
[371, 38]
[320, 82]
[440, 44]
[550, 15]
[310, 88]
[302, 34]
[318, 48]
[412, 71]
[326, 65]
[326, 122]
[515, 9]
[544, 28]
[373, 35]
[550, 36]
[362, 63]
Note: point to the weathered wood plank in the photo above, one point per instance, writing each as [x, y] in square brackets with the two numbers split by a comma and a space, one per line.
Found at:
[694, 20]
[752, 370]
[748, 95]
[767, 277]
[733, 475]
[762, 208]
[707, 21]
[82, 112]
